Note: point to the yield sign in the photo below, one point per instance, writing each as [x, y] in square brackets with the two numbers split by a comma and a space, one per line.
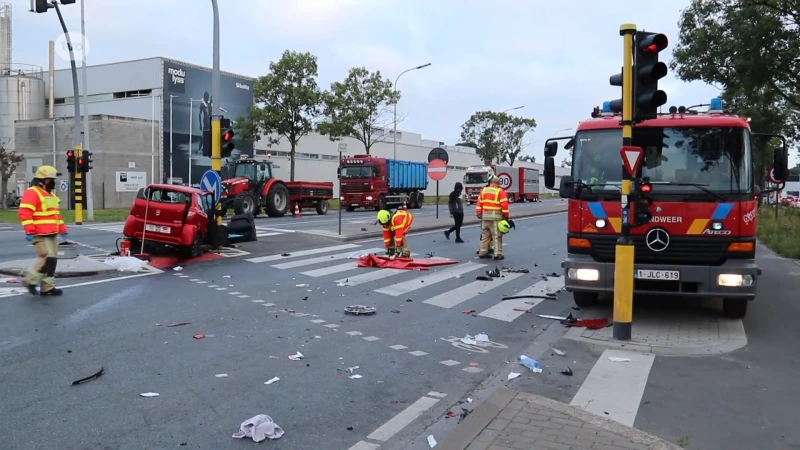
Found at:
[631, 159]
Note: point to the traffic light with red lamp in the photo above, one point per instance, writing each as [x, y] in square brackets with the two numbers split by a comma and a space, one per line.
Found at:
[643, 202]
[71, 161]
[647, 97]
[226, 135]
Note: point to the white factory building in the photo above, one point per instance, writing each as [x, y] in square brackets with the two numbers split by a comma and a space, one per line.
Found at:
[131, 105]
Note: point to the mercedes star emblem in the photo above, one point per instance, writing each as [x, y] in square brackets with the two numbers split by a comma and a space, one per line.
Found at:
[657, 239]
[658, 209]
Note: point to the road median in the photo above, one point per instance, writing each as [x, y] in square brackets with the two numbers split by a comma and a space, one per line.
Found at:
[422, 224]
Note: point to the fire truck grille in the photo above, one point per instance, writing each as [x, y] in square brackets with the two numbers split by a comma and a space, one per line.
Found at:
[681, 250]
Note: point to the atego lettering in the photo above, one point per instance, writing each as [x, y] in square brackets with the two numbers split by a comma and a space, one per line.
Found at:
[717, 232]
[667, 219]
[178, 75]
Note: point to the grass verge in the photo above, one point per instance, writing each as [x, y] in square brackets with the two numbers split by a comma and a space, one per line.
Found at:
[100, 215]
[781, 234]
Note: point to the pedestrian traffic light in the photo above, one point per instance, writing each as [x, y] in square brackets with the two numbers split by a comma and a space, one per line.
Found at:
[227, 134]
[39, 6]
[643, 203]
[71, 161]
[648, 71]
[86, 165]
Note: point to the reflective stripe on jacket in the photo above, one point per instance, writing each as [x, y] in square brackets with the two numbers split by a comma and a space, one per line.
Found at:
[493, 203]
[397, 227]
[39, 212]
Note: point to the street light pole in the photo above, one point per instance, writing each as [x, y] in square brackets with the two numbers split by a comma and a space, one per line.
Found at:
[499, 157]
[514, 108]
[559, 131]
[394, 131]
[191, 121]
[171, 180]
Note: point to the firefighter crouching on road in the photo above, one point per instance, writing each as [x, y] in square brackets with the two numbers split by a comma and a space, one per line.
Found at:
[395, 229]
[491, 209]
[41, 218]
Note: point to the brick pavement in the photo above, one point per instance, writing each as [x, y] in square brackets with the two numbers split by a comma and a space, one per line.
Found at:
[512, 420]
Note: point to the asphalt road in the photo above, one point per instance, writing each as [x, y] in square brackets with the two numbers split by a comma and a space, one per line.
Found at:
[122, 326]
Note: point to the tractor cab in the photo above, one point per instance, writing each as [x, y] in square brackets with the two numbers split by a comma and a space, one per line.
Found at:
[256, 172]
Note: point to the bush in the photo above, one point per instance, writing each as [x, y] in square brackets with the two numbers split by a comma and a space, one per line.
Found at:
[782, 235]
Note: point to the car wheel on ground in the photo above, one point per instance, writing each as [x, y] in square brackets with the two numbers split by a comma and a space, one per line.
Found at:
[196, 249]
[734, 308]
[585, 299]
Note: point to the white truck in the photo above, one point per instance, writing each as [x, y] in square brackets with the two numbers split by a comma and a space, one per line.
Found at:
[520, 183]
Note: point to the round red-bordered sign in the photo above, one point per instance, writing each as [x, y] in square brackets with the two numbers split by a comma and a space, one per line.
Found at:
[505, 180]
[771, 175]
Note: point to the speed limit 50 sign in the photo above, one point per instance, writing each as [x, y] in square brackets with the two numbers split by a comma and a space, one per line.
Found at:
[505, 180]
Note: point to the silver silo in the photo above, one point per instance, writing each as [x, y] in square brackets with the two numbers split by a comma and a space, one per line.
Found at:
[22, 97]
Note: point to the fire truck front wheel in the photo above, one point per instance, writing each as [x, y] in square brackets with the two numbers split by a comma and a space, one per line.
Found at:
[734, 308]
[585, 299]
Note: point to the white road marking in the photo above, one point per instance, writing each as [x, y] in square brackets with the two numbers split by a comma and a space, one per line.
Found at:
[321, 259]
[279, 230]
[362, 445]
[615, 389]
[267, 234]
[89, 283]
[398, 347]
[505, 310]
[373, 275]
[313, 251]
[403, 419]
[466, 292]
[421, 282]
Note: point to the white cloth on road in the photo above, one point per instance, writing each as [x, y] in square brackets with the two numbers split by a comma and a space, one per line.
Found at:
[259, 428]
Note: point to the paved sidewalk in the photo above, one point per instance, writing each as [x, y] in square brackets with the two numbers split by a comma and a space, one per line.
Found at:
[368, 230]
[511, 420]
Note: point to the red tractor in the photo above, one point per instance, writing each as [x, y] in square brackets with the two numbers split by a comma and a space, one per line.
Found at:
[253, 189]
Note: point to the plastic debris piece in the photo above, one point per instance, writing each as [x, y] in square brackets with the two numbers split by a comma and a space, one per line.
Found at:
[259, 428]
[226, 276]
[126, 263]
[522, 309]
[355, 377]
[302, 285]
[432, 441]
[359, 309]
[451, 414]
[513, 375]
[618, 359]
[286, 254]
[179, 324]
[532, 364]
[92, 377]
[272, 380]
[557, 351]
[482, 337]
[548, 316]
[199, 336]
[221, 375]
[468, 311]
[484, 278]
[469, 340]
[473, 364]
[296, 357]
[177, 269]
[148, 394]
[567, 372]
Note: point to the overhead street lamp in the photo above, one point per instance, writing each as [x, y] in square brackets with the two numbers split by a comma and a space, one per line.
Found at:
[559, 131]
[499, 157]
[394, 131]
[514, 108]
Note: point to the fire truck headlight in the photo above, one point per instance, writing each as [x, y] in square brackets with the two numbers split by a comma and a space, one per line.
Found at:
[600, 223]
[583, 274]
[341, 199]
[734, 280]
[369, 198]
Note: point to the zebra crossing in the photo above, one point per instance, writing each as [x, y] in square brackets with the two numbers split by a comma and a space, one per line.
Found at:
[118, 227]
[338, 265]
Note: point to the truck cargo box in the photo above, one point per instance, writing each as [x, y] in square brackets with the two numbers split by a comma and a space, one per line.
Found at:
[407, 175]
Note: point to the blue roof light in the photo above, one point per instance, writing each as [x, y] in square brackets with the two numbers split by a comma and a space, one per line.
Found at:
[607, 107]
[716, 104]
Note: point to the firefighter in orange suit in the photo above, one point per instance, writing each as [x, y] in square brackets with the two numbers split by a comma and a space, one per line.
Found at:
[41, 218]
[492, 208]
[395, 229]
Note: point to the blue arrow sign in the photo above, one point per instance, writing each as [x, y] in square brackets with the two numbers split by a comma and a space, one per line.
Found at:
[212, 182]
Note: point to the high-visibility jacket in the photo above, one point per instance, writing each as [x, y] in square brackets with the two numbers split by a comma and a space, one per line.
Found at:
[397, 227]
[39, 212]
[493, 203]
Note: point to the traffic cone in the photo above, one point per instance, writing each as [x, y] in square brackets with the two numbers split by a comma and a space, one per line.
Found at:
[296, 211]
[405, 205]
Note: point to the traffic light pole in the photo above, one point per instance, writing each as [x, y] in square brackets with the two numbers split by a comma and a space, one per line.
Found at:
[216, 145]
[624, 254]
[78, 190]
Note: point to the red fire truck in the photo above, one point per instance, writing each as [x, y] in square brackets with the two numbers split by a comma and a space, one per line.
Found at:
[700, 239]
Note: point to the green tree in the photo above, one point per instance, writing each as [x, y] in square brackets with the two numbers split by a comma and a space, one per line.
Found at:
[287, 103]
[483, 131]
[512, 135]
[359, 107]
[9, 161]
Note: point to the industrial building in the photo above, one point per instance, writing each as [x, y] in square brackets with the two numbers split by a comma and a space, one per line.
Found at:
[147, 119]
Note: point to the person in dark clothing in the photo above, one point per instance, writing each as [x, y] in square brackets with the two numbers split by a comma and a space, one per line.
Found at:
[457, 212]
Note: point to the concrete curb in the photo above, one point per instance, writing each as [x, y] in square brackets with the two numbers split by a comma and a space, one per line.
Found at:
[425, 227]
[20, 268]
[466, 432]
[71, 274]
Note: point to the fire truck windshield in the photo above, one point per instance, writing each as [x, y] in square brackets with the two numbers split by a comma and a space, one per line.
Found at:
[476, 178]
[359, 172]
[677, 160]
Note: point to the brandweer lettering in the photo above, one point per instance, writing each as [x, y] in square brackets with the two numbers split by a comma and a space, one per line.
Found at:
[178, 75]
[749, 217]
[667, 219]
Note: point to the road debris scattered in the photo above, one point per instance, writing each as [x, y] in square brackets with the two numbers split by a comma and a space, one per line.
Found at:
[357, 310]
[473, 340]
[149, 394]
[432, 441]
[178, 324]
[557, 351]
[272, 380]
[221, 375]
[199, 336]
[567, 372]
[531, 364]
[484, 278]
[511, 270]
[177, 268]
[296, 357]
[513, 375]
[468, 311]
[286, 254]
[396, 311]
[355, 376]
[259, 428]
[302, 285]
[92, 377]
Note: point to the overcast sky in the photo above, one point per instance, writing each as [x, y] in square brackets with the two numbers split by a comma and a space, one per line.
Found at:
[552, 57]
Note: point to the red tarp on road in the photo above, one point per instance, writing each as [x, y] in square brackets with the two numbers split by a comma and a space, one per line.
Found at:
[383, 262]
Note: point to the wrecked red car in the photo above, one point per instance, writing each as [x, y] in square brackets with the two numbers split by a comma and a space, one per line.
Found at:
[172, 216]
